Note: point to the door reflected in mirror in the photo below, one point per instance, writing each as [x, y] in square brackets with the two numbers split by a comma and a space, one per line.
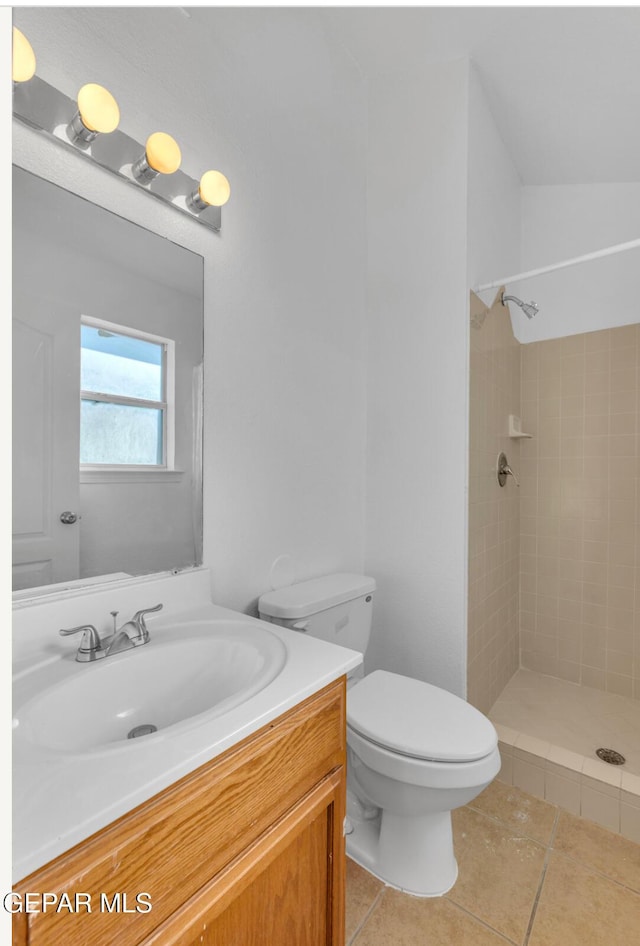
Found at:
[107, 393]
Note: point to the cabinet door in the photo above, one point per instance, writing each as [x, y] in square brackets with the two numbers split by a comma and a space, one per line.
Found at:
[174, 844]
[287, 889]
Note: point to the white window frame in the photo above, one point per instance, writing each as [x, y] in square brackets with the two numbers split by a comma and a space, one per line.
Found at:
[166, 406]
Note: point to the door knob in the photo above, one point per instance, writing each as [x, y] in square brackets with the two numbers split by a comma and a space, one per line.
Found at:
[68, 518]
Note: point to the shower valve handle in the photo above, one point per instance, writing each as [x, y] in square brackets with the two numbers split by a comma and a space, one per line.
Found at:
[503, 470]
[508, 470]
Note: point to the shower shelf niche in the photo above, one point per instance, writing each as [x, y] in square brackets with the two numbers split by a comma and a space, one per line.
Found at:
[515, 429]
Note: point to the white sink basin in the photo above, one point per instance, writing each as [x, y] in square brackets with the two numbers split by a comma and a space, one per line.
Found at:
[175, 681]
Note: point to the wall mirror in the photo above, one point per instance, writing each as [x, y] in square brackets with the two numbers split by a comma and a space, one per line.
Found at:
[107, 393]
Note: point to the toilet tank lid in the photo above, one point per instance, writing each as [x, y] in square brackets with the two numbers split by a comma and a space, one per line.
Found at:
[318, 594]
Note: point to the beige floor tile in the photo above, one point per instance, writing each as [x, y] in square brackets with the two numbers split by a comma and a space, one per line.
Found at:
[499, 874]
[578, 907]
[609, 853]
[462, 822]
[400, 920]
[362, 890]
[524, 813]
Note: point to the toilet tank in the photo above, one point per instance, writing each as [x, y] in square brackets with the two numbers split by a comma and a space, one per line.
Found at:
[334, 608]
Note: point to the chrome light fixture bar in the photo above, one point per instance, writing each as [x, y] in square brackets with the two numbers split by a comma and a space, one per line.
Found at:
[42, 107]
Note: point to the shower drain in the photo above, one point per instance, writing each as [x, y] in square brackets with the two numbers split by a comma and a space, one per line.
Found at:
[611, 756]
[142, 730]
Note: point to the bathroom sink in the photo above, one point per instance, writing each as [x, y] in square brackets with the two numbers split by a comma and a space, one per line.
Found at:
[177, 680]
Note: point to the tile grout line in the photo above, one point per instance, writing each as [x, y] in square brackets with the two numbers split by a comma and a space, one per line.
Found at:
[457, 906]
[549, 850]
[363, 921]
[511, 827]
[480, 921]
[594, 870]
[547, 857]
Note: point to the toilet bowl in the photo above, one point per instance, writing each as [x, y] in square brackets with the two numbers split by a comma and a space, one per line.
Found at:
[414, 751]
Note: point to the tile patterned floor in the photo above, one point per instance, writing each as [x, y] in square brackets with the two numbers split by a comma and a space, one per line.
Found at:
[530, 874]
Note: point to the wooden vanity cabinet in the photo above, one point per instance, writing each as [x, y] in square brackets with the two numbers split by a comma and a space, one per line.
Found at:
[247, 850]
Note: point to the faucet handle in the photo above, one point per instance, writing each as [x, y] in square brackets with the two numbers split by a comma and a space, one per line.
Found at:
[90, 646]
[138, 620]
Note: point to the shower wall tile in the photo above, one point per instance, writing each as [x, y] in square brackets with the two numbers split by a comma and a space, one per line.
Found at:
[580, 511]
[494, 512]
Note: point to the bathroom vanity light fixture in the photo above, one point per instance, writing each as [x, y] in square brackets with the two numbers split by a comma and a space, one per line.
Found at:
[24, 59]
[213, 190]
[161, 156]
[97, 113]
[89, 127]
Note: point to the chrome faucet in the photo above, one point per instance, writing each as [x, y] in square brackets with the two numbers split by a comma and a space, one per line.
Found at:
[137, 624]
[90, 646]
[132, 634]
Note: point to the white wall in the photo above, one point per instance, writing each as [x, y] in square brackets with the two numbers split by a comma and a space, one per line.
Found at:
[261, 95]
[560, 222]
[417, 383]
[494, 199]
[493, 245]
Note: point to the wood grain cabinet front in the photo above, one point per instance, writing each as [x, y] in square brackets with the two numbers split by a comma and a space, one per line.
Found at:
[247, 850]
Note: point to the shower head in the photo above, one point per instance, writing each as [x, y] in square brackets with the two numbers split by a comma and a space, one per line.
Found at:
[529, 308]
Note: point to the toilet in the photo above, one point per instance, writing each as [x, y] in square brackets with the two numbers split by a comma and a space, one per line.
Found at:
[414, 751]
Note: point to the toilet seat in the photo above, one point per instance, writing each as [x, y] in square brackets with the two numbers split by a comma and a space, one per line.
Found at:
[417, 720]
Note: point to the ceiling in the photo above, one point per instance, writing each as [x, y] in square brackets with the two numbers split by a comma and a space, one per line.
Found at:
[563, 83]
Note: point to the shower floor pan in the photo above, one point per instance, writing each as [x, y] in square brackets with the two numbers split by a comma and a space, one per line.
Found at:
[549, 732]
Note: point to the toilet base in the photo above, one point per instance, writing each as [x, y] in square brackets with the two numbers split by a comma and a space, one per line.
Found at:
[414, 855]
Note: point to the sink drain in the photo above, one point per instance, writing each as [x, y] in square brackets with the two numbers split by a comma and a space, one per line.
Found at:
[142, 730]
[611, 756]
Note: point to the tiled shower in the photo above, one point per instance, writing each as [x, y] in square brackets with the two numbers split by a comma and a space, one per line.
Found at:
[554, 562]
[494, 513]
[579, 537]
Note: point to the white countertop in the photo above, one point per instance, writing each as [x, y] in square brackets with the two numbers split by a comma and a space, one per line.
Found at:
[60, 797]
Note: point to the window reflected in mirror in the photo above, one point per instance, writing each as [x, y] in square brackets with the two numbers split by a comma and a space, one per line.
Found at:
[124, 412]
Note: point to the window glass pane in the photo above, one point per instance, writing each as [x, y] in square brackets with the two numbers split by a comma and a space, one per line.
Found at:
[120, 364]
[120, 433]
